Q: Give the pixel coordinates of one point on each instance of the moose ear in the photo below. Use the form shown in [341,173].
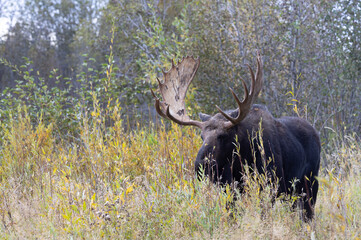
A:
[204,117]
[234,113]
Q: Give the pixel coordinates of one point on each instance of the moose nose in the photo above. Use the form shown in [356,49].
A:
[204,161]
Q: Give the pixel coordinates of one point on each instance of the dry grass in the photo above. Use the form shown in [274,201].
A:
[113,184]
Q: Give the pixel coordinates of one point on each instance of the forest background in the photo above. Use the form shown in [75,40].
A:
[59,50]
[69,68]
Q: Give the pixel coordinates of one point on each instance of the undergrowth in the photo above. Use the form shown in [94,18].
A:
[117,184]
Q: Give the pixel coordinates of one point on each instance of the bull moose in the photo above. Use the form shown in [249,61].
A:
[291,146]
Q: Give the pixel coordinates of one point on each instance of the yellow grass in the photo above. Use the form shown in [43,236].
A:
[118,185]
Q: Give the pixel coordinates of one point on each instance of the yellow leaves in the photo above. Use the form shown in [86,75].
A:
[324,181]
[66,217]
[118,169]
[339,221]
[129,189]
[92,198]
[151,208]
[74,208]
[295,109]
[84,206]
[43,135]
[95,114]
[293,101]
[339,217]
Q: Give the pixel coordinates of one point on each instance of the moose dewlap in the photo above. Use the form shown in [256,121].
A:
[291,143]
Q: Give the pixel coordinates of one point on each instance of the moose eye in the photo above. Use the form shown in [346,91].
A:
[222,137]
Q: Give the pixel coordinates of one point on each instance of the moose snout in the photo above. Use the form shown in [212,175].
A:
[204,161]
[199,164]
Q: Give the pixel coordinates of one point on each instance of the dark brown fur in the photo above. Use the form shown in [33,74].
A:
[291,143]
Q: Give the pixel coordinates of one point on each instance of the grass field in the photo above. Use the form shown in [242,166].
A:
[140,185]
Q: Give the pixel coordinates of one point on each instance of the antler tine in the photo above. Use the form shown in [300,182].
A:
[151,90]
[250,96]
[157,107]
[241,114]
[229,118]
[157,104]
[259,74]
[252,78]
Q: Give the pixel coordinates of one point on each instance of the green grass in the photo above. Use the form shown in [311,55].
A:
[140,185]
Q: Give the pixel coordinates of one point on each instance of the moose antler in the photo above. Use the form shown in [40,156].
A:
[176,83]
[245,105]
[174,89]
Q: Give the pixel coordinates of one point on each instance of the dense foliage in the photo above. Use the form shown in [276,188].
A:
[83,154]
[311,53]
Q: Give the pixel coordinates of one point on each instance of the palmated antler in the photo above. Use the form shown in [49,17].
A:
[174,89]
[250,96]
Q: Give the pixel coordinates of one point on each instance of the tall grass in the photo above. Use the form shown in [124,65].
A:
[114,184]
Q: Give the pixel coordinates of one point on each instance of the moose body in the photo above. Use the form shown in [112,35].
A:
[286,149]
[291,152]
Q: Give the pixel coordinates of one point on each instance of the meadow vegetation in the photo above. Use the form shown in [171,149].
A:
[83,155]
[116,183]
